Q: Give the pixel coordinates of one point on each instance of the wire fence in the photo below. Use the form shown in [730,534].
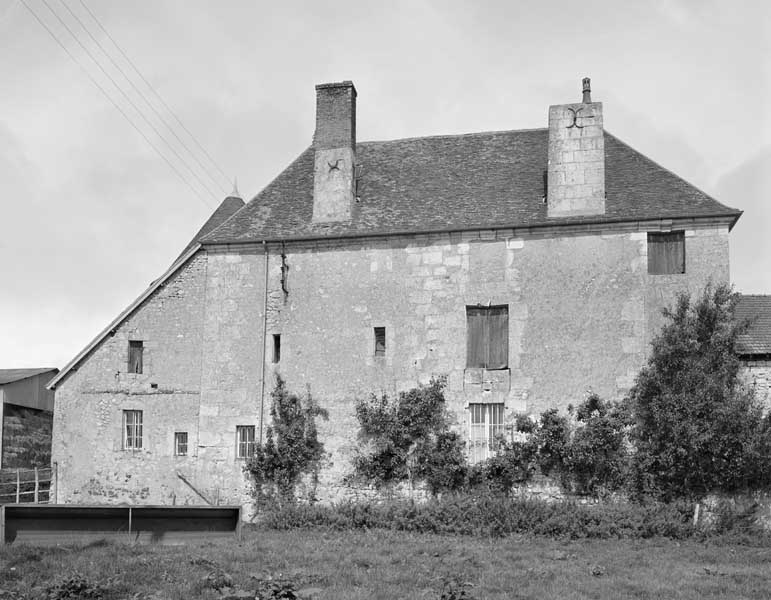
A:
[31,486]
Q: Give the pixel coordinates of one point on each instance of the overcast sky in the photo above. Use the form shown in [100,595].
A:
[91,214]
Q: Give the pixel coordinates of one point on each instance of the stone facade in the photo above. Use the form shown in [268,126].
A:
[582,309]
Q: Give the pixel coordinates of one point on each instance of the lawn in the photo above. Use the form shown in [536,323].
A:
[383,565]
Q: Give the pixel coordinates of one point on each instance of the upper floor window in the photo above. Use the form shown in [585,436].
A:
[666,253]
[136,349]
[132,429]
[487,337]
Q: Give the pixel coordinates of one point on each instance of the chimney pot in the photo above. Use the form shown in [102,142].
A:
[587,90]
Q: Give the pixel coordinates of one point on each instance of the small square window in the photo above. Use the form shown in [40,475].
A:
[136,349]
[180,443]
[666,253]
[244,441]
[380,341]
[276,347]
[132,429]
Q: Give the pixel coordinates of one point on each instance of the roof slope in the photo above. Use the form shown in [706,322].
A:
[229,206]
[757,309]
[11,375]
[473,181]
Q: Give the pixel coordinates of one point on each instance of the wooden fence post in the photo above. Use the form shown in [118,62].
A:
[18,485]
[37,486]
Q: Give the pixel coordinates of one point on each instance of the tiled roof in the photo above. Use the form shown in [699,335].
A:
[756,309]
[11,375]
[225,210]
[474,181]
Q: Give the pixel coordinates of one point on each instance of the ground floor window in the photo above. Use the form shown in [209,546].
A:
[132,429]
[485,427]
[244,441]
[180,443]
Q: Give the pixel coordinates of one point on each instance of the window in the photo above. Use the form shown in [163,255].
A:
[180,443]
[132,429]
[487,342]
[485,426]
[136,348]
[276,347]
[666,253]
[244,441]
[380,341]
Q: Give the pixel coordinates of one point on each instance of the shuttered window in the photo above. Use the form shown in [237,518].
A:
[487,337]
[666,253]
[136,349]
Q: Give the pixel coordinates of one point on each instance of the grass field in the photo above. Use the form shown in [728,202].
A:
[385,565]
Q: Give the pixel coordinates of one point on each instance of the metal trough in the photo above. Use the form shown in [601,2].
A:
[45,524]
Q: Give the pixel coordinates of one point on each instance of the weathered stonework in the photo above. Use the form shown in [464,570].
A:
[582,311]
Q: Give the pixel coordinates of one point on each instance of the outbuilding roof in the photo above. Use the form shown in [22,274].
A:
[11,375]
[757,310]
[461,182]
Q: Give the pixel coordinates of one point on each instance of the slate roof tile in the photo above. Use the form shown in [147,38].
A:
[757,309]
[472,181]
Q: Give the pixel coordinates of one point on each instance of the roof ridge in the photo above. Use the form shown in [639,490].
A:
[453,135]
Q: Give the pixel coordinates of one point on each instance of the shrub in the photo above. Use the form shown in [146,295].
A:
[409,439]
[291,449]
[494,515]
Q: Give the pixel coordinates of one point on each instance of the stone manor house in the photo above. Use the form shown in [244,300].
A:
[527,266]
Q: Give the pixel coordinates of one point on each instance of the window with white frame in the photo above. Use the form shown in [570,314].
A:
[244,441]
[132,429]
[485,428]
[180,443]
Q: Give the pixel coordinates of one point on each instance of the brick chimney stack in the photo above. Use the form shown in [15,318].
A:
[576,174]
[334,143]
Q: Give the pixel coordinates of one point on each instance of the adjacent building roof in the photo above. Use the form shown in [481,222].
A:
[11,375]
[757,310]
[225,210]
[461,182]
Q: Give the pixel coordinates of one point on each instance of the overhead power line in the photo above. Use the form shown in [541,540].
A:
[142,95]
[115,104]
[155,93]
[129,100]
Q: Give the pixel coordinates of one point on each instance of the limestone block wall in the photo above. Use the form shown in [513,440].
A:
[757,375]
[87,444]
[582,310]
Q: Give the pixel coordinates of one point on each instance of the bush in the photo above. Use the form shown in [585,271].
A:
[291,449]
[492,514]
[409,439]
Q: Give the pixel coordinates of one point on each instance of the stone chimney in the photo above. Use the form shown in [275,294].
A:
[576,175]
[335,152]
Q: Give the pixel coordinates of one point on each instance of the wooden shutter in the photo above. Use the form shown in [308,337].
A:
[135,356]
[666,253]
[476,337]
[498,337]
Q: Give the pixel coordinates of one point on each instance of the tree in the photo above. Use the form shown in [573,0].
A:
[697,429]
[291,449]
